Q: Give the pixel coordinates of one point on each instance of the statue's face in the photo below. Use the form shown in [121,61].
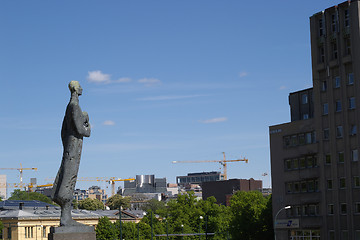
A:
[79,90]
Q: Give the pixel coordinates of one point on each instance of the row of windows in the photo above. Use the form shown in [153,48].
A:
[334,49]
[306,186]
[342,183]
[29,232]
[309,161]
[299,139]
[338,106]
[304,234]
[304,210]
[339,132]
[343,208]
[334,27]
[340,157]
[337,82]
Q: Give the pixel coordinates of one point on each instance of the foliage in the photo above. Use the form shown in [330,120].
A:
[75,204]
[249,211]
[117,201]
[28,196]
[90,204]
[105,229]
[154,206]
[248,217]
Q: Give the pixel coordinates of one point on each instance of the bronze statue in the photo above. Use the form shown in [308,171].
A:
[75,126]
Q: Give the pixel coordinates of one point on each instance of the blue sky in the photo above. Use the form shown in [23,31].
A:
[163,81]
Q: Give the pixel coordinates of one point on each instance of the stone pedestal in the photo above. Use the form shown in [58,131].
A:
[72,233]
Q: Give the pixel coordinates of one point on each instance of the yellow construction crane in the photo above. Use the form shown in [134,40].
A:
[110,180]
[21,169]
[222,162]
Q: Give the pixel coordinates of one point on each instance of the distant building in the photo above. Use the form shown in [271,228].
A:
[33,219]
[93,192]
[199,178]
[3,187]
[223,190]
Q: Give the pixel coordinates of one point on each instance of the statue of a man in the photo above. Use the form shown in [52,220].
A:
[75,126]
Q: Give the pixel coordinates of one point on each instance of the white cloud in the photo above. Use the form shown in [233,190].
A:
[214,120]
[123,80]
[149,81]
[283,88]
[174,97]
[109,123]
[98,77]
[243,74]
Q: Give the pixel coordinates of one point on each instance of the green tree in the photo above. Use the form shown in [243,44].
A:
[90,204]
[105,230]
[153,205]
[117,201]
[248,215]
[28,196]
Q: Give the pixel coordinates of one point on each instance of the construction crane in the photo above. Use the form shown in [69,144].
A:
[110,180]
[222,162]
[21,169]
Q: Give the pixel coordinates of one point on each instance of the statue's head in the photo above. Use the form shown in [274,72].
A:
[74,86]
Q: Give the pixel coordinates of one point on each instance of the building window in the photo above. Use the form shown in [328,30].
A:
[342,183]
[333,23]
[295,163]
[29,231]
[338,106]
[326,134]
[9,233]
[296,187]
[354,155]
[343,208]
[329,184]
[339,131]
[327,159]
[305,116]
[330,209]
[311,161]
[302,162]
[323,86]
[334,50]
[325,109]
[303,187]
[304,98]
[337,82]
[332,235]
[347,42]
[357,207]
[289,187]
[44,232]
[301,139]
[351,103]
[341,158]
[321,27]
[346,18]
[288,164]
[321,54]
[353,130]
[351,78]
[356,181]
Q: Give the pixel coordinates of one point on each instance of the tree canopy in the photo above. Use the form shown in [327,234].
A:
[117,201]
[28,196]
[90,204]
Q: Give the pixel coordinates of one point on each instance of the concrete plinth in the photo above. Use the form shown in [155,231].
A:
[72,233]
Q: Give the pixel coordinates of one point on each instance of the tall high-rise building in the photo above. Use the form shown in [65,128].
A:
[315,157]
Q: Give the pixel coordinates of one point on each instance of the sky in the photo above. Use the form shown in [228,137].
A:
[163,81]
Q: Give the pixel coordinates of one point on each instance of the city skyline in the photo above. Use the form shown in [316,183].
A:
[163,81]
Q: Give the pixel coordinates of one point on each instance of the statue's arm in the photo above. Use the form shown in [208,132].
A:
[81,122]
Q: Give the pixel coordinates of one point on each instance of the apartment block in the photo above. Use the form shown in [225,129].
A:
[314,158]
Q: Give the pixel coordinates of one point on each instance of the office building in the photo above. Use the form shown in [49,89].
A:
[198,178]
[314,158]
[223,190]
